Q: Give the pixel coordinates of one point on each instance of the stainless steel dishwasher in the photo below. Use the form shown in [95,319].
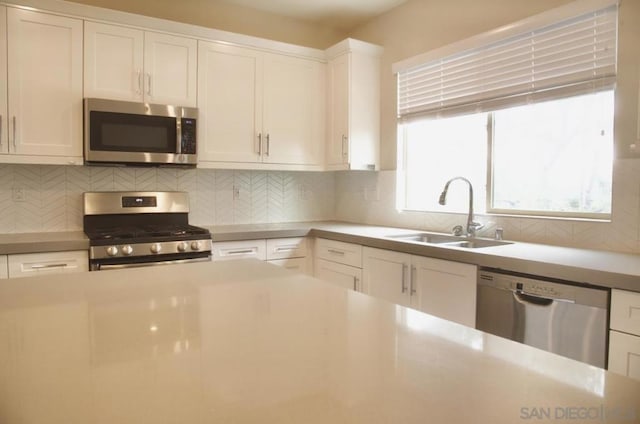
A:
[565,319]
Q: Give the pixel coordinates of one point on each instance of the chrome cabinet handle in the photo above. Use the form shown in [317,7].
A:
[344,143]
[240,252]
[412,278]
[285,248]
[259,144]
[148,84]
[336,252]
[404,275]
[45,266]
[139,89]
[268,145]
[14,133]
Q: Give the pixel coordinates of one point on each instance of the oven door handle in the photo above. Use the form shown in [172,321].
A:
[104,267]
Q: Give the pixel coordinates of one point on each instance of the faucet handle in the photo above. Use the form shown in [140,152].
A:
[499,233]
[473,228]
[457,230]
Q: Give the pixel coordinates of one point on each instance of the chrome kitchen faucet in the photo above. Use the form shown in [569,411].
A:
[472,226]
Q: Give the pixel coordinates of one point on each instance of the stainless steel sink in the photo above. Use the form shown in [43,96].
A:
[449,240]
[428,238]
[477,243]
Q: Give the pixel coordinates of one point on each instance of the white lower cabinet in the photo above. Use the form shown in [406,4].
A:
[31,264]
[442,288]
[288,252]
[624,337]
[339,263]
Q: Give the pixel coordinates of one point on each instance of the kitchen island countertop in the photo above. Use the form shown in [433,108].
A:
[249,342]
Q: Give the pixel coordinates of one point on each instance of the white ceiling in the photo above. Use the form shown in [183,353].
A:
[344,14]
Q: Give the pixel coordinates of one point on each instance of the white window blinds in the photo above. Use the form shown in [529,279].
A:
[568,57]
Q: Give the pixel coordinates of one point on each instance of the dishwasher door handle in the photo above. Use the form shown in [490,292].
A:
[526,298]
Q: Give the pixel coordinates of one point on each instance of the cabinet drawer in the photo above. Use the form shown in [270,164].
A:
[227,250]
[340,252]
[624,354]
[625,311]
[294,264]
[283,248]
[30,264]
[348,277]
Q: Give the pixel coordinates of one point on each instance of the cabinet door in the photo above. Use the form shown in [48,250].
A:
[292,110]
[444,289]
[4,119]
[113,67]
[45,83]
[170,69]
[624,354]
[385,274]
[229,103]
[338,137]
[345,276]
[625,311]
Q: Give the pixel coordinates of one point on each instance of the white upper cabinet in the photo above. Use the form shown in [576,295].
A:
[170,65]
[353,139]
[259,110]
[4,117]
[42,100]
[229,103]
[113,62]
[293,103]
[129,64]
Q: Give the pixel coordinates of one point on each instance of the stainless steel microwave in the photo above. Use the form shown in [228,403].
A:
[131,133]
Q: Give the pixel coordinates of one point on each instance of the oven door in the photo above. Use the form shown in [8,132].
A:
[120,263]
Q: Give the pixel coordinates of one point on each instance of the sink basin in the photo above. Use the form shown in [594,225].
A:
[477,243]
[449,240]
[429,238]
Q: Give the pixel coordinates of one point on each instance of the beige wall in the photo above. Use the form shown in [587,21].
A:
[227,17]
[420,25]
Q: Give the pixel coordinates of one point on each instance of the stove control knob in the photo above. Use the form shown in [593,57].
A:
[196,245]
[112,250]
[127,250]
[156,248]
[182,246]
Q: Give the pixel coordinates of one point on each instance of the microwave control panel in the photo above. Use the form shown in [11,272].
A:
[188,136]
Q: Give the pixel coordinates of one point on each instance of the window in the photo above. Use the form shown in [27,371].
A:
[527,117]
[551,158]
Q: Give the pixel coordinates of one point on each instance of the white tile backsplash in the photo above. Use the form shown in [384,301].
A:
[49,198]
[52,195]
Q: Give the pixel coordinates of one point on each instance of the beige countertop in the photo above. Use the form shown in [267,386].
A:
[42,242]
[248,342]
[584,266]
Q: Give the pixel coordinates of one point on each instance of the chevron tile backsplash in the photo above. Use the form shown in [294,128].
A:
[49,198]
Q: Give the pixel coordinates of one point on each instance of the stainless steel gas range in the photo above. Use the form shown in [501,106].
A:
[133,229]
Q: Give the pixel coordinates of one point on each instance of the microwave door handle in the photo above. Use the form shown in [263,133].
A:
[178,135]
